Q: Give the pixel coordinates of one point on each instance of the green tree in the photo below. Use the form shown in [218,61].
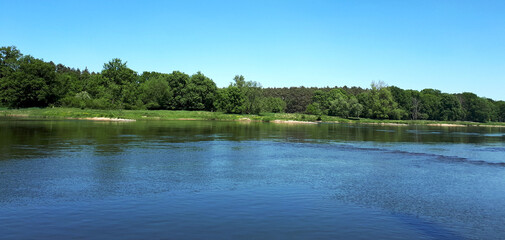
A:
[245,95]
[200,93]
[29,85]
[156,93]
[252,94]
[273,104]
[404,100]
[382,104]
[451,109]
[9,60]
[500,106]
[177,82]
[117,72]
[29,82]
[366,101]
[476,109]
[121,83]
[355,108]
[314,109]
[340,107]
[67,84]
[414,105]
[296,98]
[231,100]
[330,102]
[431,103]
[79,100]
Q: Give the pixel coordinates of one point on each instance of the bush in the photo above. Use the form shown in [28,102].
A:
[80,100]
[314,109]
[273,105]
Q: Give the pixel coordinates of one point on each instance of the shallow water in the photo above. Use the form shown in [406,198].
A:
[228,180]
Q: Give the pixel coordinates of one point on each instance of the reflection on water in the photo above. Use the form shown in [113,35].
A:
[209,179]
[34,138]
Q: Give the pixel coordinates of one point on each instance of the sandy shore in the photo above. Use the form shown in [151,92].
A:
[461,125]
[17,115]
[292,122]
[447,125]
[106,119]
[186,119]
[387,124]
[246,119]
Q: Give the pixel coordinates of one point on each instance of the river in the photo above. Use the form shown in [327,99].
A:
[74,179]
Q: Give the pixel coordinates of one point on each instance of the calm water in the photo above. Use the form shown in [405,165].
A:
[229,180]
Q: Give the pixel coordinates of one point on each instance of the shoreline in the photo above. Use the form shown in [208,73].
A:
[104,119]
[292,122]
[179,115]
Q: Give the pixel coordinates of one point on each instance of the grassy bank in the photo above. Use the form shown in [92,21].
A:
[75,113]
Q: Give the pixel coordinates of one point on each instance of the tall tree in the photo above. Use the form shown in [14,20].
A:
[9,60]
[122,83]
[252,93]
[476,109]
[381,102]
[231,100]
[355,108]
[29,85]
[156,93]
[177,82]
[451,109]
[200,93]
[500,106]
[273,104]
[431,103]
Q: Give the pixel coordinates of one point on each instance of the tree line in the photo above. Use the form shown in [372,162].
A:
[26,81]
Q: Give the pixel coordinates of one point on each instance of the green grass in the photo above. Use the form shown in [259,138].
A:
[58,113]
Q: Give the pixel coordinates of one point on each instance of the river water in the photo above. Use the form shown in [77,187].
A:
[71,179]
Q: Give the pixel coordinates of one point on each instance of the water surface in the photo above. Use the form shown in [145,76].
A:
[228,180]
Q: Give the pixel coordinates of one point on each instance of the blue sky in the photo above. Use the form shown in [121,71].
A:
[454,46]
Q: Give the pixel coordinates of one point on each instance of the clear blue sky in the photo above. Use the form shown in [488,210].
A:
[454,46]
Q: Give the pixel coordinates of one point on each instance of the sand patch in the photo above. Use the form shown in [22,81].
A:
[446,125]
[292,122]
[105,119]
[388,124]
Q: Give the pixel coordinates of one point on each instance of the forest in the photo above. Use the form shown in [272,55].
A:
[26,82]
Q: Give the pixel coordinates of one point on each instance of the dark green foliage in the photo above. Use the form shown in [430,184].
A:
[273,104]
[335,102]
[404,99]
[296,98]
[355,108]
[122,84]
[450,108]
[155,93]
[431,106]
[9,60]
[252,93]
[231,100]
[413,107]
[380,103]
[324,98]
[200,93]
[314,109]
[177,82]
[118,73]
[80,100]
[339,107]
[500,111]
[29,82]
[241,97]
[476,109]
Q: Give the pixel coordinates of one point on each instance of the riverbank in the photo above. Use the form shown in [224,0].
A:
[280,118]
